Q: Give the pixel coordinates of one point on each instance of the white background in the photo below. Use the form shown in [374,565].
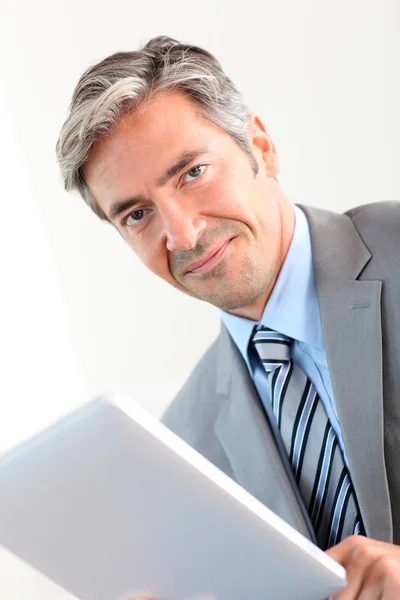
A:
[79,315]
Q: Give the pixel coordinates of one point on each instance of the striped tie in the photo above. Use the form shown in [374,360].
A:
[310,441]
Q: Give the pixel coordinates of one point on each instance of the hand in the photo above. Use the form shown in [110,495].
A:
[373,569]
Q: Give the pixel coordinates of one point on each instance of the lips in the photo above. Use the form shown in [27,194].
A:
[209,260]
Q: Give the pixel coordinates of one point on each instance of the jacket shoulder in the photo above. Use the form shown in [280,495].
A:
[378,223]
[192,408]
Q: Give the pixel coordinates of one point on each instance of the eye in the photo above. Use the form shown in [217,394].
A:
[134,217]
[194,173]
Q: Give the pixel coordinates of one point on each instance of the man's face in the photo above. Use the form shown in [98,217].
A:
[185,197]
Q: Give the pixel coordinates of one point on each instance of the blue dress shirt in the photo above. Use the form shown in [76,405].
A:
[292,309]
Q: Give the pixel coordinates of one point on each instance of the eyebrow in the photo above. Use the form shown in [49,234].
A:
[120,206]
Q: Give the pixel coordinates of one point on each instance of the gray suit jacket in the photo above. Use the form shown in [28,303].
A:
[357,267]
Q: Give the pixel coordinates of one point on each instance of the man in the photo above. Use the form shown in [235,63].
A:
[298,399]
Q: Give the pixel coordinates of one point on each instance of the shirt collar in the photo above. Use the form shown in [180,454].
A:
[292,308]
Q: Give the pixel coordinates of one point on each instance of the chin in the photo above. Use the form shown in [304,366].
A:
[234,301]
[232,291]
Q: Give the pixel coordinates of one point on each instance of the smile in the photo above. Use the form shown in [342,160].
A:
[209,261]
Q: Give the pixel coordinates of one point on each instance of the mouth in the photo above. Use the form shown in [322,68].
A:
[209,260]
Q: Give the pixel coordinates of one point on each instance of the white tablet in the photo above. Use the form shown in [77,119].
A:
[109,504]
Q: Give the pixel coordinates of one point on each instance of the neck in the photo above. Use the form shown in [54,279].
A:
[254,311]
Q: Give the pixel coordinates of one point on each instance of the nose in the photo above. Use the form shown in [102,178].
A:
[181,228]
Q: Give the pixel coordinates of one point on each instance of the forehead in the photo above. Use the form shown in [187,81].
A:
[147,141]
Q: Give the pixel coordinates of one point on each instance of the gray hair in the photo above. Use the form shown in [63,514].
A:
[120,83]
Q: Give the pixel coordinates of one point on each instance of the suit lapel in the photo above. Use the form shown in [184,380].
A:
[351,325]
[248,442]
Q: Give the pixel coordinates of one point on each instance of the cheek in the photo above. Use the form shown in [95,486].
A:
[153,254]
[225,201]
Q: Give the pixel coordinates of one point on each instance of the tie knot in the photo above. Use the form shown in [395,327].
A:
[272,347]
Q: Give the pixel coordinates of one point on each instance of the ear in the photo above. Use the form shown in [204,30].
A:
[262,145]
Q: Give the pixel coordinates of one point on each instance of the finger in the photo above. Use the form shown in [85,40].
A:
[354,545]
[360,565]
[382,582]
